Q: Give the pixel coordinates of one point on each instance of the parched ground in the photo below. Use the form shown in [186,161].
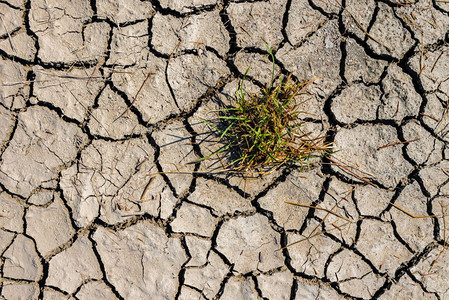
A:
[100,112]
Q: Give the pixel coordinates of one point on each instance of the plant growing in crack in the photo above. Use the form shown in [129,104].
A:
[263,131]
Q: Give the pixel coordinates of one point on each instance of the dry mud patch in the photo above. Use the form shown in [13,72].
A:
[101,193]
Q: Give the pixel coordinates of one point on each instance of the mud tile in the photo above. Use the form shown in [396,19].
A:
[42,198]
[406,288]
[95,290]
[107,119]
[20,45]
[240,288]
[379,245]
[357,102]
[51,15]
[435,115]
[124,11]
[189,293]
[275,286]
[6,125]
[49,226]
[443,6]
[152,96]
[73,91]
[359,66]
[400,98]
[328,6]
[16,3]
[21,260]
[59,26]
[6,238]
[428,23]
[207,278]
[300,187]
[186,6]
[387,34]
[176,155]
[54,295]
[303,21]
[166,33]
[432,68]
[191,75]
[11,19]
[359,147]
[353,275]
[252,183]
[250,243]
[371,201]
[220,198]
[171,34]
[95,41]
[42,143]
[440,207]
[307,290]
[149,259]
[318,56]
[436,278]
[257,22]
[260,66]
[129,45]
[362,11]
[109,180]
[435,180]
[14,85]
[341,224]
[194,219]
[13,291]
[80,196]
[68,269]
[310,256]
[11,212]
[427,150]
[391,35]
[157,199]
[198,249]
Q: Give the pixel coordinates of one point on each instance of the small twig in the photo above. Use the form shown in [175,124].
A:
[398,143]
[135,97]
[321,208]
[429,116]
[421,60]
[444,237]
[350,171]
[445,172]
[146,189]
[9,36]
[443,118]
[312,236]
[435,63]
[397,109]
[70,76]
[410,214]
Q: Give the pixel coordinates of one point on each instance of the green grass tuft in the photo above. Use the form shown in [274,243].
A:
[264,130]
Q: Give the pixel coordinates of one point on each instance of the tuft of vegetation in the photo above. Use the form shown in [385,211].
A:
[264,130]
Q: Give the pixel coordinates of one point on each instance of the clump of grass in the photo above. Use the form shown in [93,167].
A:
[264,130]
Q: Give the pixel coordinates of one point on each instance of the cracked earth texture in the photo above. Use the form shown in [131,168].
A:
[81,217]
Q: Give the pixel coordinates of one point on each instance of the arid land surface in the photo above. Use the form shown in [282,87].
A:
[102,195]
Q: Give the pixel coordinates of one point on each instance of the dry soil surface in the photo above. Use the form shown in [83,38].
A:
[98,201]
